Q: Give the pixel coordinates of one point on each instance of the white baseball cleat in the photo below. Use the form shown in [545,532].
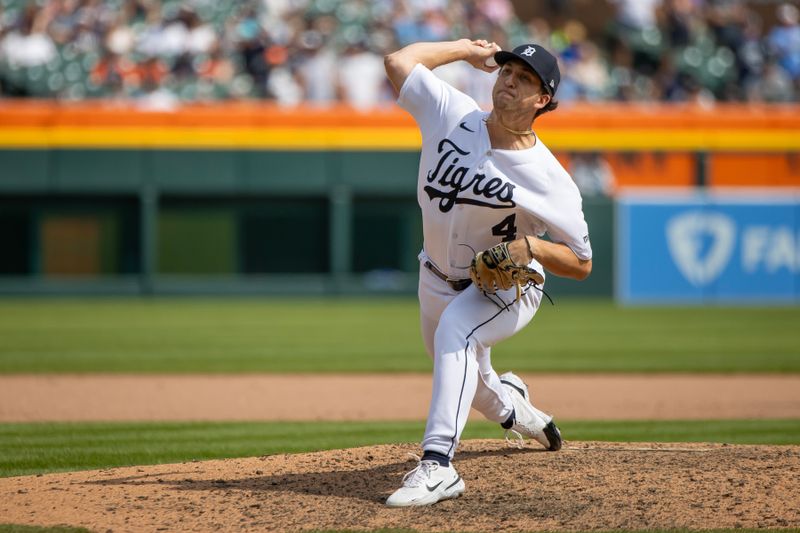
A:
[427,484]
[528,420]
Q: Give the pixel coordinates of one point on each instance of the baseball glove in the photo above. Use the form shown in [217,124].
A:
[493,270]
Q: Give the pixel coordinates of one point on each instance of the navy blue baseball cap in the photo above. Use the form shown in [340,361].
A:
[542,62]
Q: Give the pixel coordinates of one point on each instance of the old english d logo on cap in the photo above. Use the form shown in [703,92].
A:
[542,62]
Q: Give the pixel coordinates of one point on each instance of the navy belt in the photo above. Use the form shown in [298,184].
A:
[455,284]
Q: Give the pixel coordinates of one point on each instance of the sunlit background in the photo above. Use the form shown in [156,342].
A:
[208,249]
[173,147]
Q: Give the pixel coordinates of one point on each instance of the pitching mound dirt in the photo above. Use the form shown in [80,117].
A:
[585,486]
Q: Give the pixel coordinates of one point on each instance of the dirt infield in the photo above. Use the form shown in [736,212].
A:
[33,398]
[585,486]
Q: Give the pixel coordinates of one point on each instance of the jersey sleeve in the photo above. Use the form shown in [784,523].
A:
[576,237]
[569,227]
[434,104]
[552,200]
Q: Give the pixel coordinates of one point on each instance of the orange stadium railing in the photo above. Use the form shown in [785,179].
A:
[645,144]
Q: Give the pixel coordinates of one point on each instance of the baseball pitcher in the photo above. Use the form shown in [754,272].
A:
[488,189]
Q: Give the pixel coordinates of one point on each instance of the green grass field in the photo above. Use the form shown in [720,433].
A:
[191,335]
[379,335]
[41,448]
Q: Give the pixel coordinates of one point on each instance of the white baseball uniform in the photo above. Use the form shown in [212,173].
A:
[473,197]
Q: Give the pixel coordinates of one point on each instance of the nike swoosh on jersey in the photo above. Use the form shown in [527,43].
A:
[464,126]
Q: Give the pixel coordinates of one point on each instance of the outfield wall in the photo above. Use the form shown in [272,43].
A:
[710,247]
[213,199]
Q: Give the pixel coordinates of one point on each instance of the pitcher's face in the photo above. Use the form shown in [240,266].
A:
[518,88]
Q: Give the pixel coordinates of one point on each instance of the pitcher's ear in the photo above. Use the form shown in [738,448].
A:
[543,100]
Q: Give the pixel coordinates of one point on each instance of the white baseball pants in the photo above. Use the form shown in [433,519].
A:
[459,329]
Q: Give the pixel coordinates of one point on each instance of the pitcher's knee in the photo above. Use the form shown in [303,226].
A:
[451,338]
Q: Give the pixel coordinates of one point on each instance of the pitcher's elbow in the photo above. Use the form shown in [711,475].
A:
[584,270]
[390,61]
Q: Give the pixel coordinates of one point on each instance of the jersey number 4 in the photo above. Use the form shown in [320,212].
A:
[506,228]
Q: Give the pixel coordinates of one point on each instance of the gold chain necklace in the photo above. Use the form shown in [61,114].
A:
[515,132]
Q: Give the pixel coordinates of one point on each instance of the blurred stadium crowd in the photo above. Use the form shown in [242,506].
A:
[321,52]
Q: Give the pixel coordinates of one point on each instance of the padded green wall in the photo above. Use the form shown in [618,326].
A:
[225,212]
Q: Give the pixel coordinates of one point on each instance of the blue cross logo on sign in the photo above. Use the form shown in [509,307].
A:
[529,51]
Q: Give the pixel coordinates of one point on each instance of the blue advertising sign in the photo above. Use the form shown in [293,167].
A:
[708,248]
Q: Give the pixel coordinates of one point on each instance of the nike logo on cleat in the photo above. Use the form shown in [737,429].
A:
[463,125]
[431,489]
[453,484]
[521,391]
